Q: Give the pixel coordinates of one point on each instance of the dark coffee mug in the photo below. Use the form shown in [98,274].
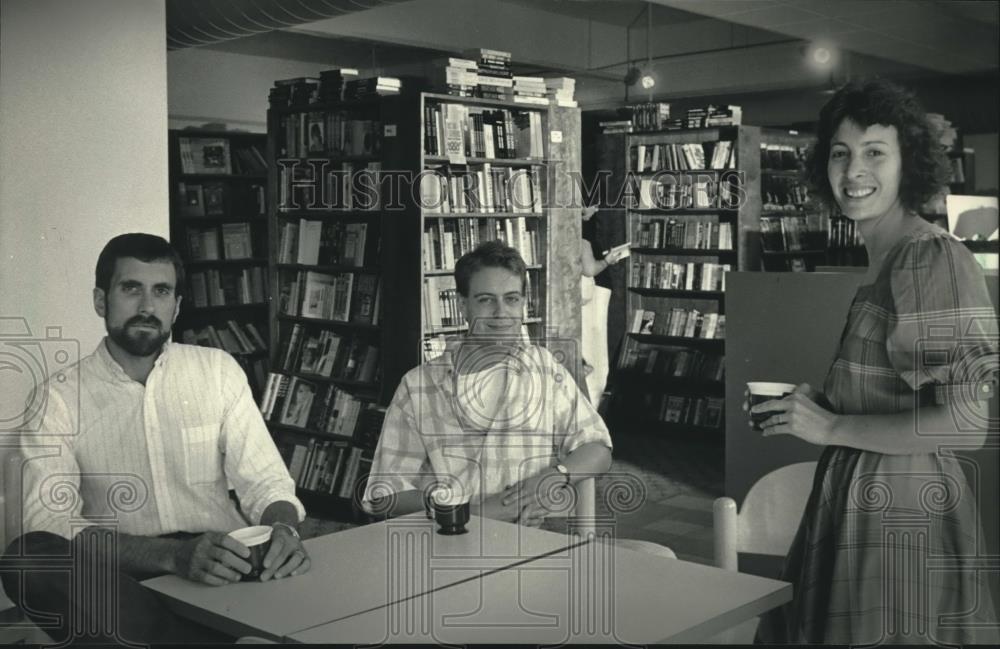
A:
[258,541]
[451,519]
[761,391]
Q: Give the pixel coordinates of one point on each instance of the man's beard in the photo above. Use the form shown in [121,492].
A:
[139,342]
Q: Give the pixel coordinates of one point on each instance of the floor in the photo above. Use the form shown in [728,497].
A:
[667,484]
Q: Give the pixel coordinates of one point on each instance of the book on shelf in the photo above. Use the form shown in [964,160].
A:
[236,243]
[191,200]
[689,276]
[203,244]
[204,155]
[689,156]
[215,199]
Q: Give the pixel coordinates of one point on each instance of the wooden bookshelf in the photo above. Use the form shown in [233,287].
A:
[428,236]
[326,264]
[667,380]
[218,206]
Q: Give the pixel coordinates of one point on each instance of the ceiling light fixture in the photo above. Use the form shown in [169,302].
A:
[644,75]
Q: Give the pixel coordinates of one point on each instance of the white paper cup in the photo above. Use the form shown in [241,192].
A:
[258,539]
[761,391]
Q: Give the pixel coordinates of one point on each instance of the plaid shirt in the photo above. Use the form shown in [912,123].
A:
[151,459]
[503,415]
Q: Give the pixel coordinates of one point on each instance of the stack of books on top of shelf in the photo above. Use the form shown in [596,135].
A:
[710,115]
[530,90]
[297,91]
[616,126]
[560,91]
[357,89]
[457,76]
[496,81]
[331,84]
[650,116]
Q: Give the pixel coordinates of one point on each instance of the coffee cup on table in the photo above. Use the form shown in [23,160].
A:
[761,391]
[258,540]
[451,515]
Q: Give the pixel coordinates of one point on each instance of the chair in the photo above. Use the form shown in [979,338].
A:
[766,525]
[586,510]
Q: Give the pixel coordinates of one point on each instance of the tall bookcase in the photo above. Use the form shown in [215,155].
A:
[326,225]
[692,215]
[218,202]
[483,169]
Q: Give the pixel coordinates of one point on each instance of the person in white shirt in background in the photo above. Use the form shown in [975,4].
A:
[143,440]
[594,302]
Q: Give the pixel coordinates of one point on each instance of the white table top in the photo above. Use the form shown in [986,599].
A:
[593,593]
[358,570]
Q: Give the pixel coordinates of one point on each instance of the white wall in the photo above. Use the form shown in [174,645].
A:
[83,157]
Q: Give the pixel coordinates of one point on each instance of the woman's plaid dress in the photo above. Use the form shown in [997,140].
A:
[889,545]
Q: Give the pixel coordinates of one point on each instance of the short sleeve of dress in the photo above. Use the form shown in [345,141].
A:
[943,328]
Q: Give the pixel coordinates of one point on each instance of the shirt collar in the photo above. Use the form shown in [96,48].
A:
[115,369]
[442,368]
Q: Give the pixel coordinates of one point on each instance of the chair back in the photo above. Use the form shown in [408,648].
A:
[769,518]
[12,460]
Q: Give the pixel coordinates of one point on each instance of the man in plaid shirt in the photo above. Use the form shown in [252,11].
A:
[494,420]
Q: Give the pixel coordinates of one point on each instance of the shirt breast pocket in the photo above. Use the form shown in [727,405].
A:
[202,456]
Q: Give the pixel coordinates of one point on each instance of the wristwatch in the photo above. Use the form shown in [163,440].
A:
[563,471]
[288,527]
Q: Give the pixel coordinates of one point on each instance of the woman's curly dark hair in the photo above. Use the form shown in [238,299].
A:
[877,101]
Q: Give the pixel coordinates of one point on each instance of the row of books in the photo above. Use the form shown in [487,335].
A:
[708,412]
[650,116]
[328,133]
[711,115]
[456,131]
[683,323]
[234,337]
[690,276]
[296,401]
[212,155]
[781,193]
[782,156]
[723,193]
[329,87]
[326,353]
[203,243]
[340,297]
[324,243]
[221,199]
[446,240]
[676,362]
[684,157]
[481,188]
[327,466]
[791,233]
[691,234]
[228,286]
[843,233]
[320,184]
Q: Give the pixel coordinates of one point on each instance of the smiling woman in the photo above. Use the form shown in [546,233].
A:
[909,382]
